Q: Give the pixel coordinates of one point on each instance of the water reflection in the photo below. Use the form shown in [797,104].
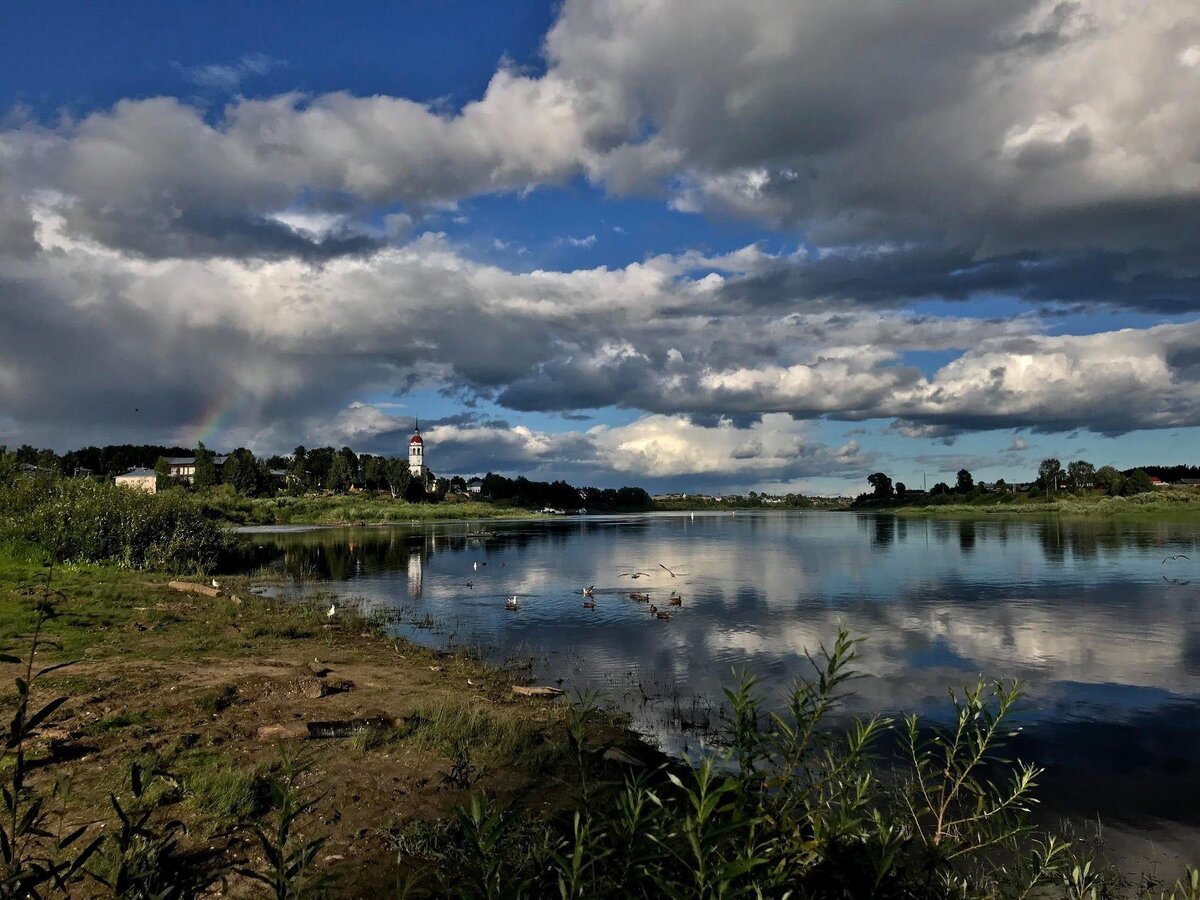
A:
[1105,633]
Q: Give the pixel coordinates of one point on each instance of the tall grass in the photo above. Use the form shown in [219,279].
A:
[788,806]
[84,521]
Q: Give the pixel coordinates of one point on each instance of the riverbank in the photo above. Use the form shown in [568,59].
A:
[200,688]
[1165,503]
[346,509]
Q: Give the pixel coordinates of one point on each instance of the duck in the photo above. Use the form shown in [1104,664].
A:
[589,604]
[653,609]
[663,615]
[511,602]
[641,598]
[675,600]
[587,591]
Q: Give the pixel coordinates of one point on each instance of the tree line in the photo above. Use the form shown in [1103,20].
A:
[1077,476]
[320,469]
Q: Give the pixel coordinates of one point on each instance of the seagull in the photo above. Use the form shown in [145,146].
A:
[1164,562]
[511,602]
[635,574]
[476,566]
[669,572]
[332,611]
[587,591]
[215,583]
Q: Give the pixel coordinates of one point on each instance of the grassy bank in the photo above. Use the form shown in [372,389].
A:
[179,684]
[1164,503]
[226,505]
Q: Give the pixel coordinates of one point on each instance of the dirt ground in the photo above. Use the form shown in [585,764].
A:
[214,689]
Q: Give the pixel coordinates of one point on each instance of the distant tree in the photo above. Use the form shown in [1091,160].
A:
[1138,482]
[458,483]
[163,473]
[351,463]
[298,475]
[881,484]
[441,486]
[965,483]
[901,489]
[320,459]
[396,475]
[372,471]
[1081,474]
[244,473]
[206,474]
[1111,480]
[1000,486]
[938,489]
[1050,473]
[341,475]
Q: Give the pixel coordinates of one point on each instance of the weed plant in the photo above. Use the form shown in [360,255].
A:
[791,807]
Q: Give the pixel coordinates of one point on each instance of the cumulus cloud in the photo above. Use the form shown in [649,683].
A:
[269,259]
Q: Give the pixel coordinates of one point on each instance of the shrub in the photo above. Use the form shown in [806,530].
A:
[84,521]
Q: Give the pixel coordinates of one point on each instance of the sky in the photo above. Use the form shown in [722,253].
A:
[774,245]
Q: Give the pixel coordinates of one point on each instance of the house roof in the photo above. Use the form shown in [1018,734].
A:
[138,473]
[191,460]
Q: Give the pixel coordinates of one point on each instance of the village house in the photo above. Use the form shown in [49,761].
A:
[139,480]
[184,467]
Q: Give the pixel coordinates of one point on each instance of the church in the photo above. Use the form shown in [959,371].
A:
[416,454]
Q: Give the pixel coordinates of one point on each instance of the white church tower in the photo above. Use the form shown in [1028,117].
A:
[416,453]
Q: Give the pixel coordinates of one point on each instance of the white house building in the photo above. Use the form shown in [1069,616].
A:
[139,480]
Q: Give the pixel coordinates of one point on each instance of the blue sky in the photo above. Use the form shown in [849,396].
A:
[771,247]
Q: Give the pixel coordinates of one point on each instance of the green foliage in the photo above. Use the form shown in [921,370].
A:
[792,807]
[143,858]
[83,521]
[289,870]
[225,792]
[1138,482]
[33,858]
[207,474]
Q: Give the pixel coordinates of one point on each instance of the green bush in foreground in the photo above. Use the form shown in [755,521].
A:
[791,808]
[82,521]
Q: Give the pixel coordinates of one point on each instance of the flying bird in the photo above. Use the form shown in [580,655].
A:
[1164,562]
[635,574]
[476,566]
[669,572]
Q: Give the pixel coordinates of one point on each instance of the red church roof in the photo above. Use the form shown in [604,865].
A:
[416,439]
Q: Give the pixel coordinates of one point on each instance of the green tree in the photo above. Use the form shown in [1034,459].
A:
[1109,478]
[1081,474]
[1050,473]
[373,471]
[881,484]
[243,472]
[1138,482]
[397,476]
[341,476]
[351,459]
[163,471]
[206,475]
[901,490]
[965,482]
[298,477]
[320,460]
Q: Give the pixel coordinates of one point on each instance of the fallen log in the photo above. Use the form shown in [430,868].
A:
[334,728]
[536,691]
[190,588]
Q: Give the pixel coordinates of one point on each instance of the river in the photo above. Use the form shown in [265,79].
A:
[1092,616]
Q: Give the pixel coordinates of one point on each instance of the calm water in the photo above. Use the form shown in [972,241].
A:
[1104,633]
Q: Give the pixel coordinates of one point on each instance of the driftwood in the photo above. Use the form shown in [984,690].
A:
[614,754]
[190,588]
[536,691]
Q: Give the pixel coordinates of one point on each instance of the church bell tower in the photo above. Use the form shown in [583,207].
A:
[416,453]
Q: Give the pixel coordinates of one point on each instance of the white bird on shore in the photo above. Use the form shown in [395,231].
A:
[215,583]
[332,611]
[511,602]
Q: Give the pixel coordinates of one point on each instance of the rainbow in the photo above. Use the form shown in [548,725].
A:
[213,421]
